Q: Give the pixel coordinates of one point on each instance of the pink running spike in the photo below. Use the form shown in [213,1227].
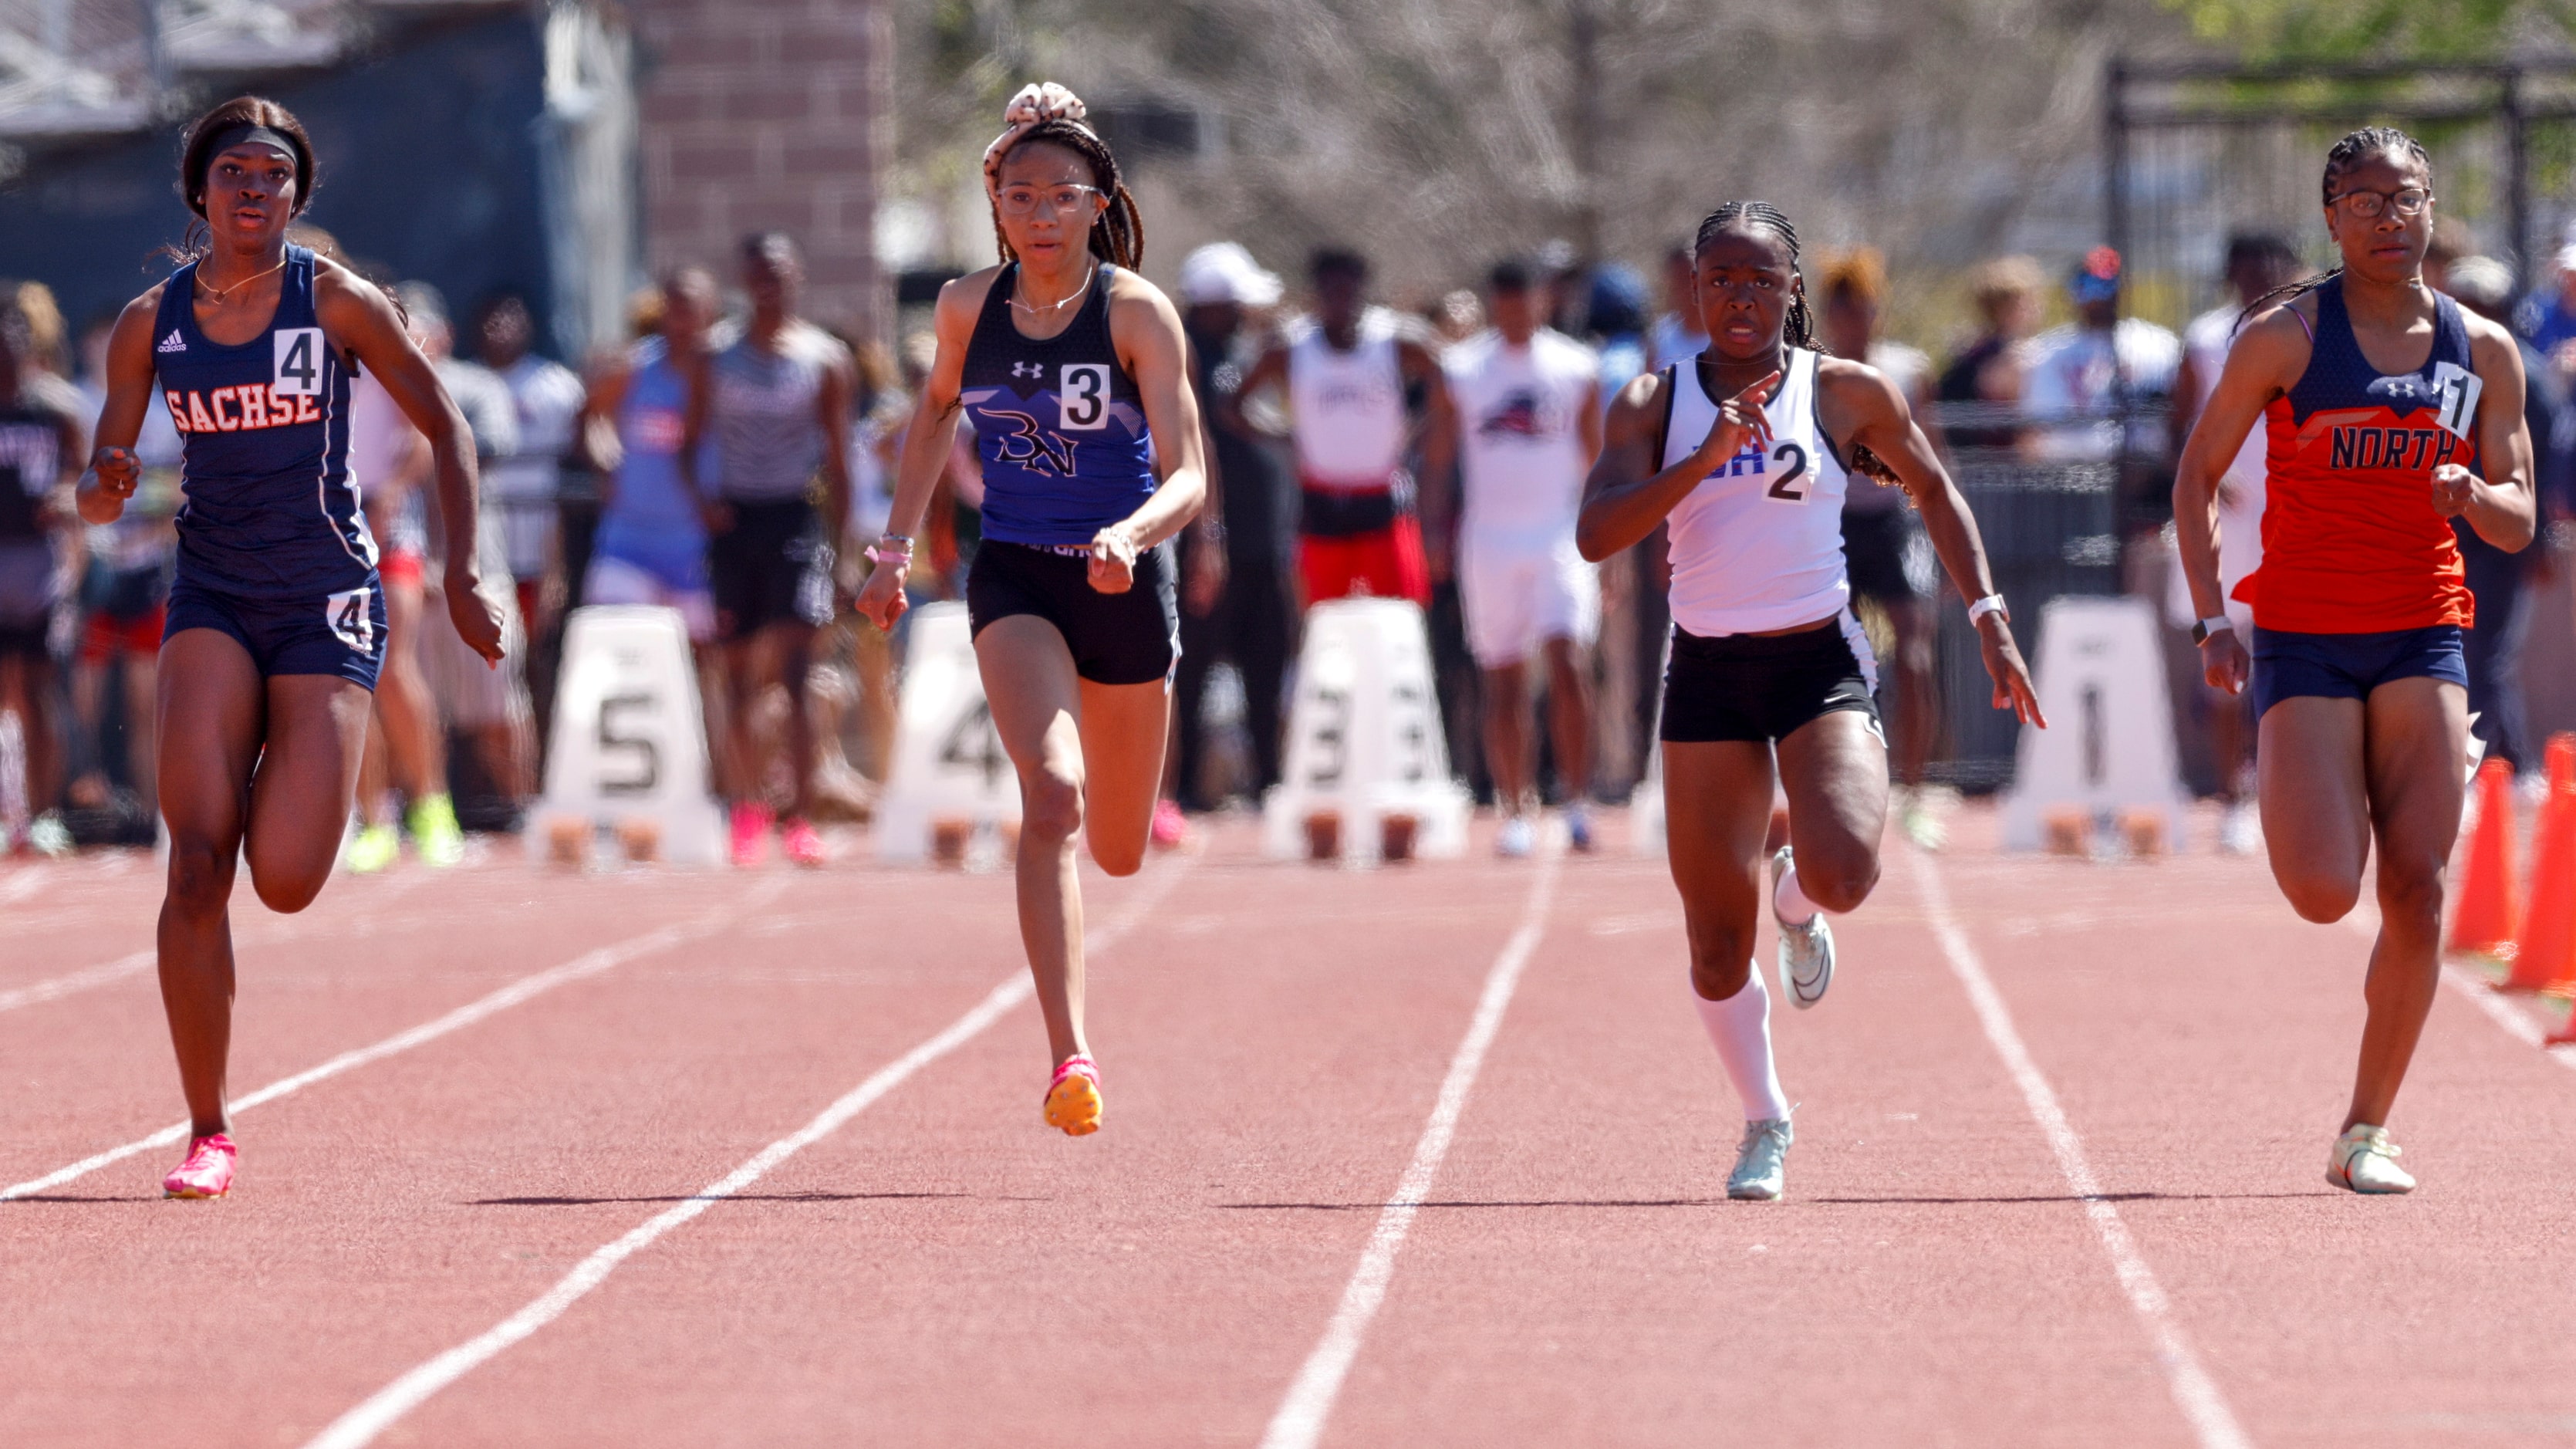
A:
[805,844]
[208,1172]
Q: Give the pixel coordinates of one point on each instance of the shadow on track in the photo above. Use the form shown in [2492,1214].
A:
[1686,1202]
[734,1197]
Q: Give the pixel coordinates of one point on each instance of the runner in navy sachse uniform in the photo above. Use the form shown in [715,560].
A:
[276,622]
[1075,375]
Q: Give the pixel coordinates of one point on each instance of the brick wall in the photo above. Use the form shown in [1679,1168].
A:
[763,114]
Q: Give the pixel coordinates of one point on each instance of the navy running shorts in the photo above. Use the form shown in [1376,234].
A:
[1760,688]
[774,566]
[1129,638]
[343,634]
[2350,666]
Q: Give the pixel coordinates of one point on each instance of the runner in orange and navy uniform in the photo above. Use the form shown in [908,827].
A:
[2389,412]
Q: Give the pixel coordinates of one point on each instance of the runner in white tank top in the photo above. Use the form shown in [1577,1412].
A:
[1528,402]
[1747,449]
[1345,375]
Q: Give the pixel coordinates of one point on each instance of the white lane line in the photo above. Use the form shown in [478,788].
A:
[389,1404]
[2474,989]
[589,963]
[1299,1421]
[2194,1391]
[134,963]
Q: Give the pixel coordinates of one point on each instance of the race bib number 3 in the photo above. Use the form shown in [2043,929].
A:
[299,361]
[351,620]
[1083,404]
[2458,389]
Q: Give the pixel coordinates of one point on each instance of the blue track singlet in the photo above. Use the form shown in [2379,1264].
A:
[651,520]
[1059,423]
[271,511]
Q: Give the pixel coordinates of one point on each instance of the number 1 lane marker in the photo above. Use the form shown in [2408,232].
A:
[588,964]
[1299,1421]
[2194,1391]
[361,1425]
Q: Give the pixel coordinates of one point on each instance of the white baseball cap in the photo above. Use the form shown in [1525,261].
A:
[1225,272]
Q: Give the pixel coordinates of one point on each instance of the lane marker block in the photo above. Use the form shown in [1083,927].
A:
[2101,677]
[949,779]
[1364,742]
[629,742]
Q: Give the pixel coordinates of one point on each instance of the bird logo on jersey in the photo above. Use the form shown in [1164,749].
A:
[1521,415]
[1037,449]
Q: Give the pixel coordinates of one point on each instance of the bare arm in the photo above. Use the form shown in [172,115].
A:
[2501,506]
[2265,361]
[1626,497]
[1437,496]
[1874,416]
[1146,331]
[359,318]
[840,381]
[114,470]
[928,439]
[1270,371]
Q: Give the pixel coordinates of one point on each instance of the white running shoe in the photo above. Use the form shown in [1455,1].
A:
[2364,1160]
[2240,830]
[1761,1163]
[1516,839]
[1806,952]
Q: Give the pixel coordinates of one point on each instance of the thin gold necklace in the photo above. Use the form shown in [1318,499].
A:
[1076,295]
[218,294]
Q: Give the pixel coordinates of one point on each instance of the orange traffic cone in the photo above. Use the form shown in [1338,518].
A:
[2562,759]
[2490,888]
[2544,957]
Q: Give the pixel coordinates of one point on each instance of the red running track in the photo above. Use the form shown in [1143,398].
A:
[936,1267]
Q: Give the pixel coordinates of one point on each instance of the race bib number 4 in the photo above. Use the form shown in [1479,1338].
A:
[1083,404]
[2458,389]
[299,362]
[351,620]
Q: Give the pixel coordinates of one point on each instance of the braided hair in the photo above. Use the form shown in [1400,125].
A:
[2347,154]
[1800,328]
[1118,235]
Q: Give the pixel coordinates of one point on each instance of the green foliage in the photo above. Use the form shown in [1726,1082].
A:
[2358,30]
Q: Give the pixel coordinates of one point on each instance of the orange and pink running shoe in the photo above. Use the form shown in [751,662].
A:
[750,834]
[208,1172]
[1073,1098]
[1171,827]
[804,843]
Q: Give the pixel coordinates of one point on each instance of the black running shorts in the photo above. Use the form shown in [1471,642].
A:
[1129,638]
[772,566]
[1760,689]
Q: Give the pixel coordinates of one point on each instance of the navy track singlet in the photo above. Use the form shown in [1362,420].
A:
[271,510]
[1059,423]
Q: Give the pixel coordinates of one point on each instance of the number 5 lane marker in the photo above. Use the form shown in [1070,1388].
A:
[588,964]
[1309,1402]
[2194,1391]
[389,1404]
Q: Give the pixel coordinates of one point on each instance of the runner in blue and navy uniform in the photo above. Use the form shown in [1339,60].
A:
[1075,374]
[276,620]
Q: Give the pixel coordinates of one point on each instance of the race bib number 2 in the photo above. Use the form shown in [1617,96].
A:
[299,362]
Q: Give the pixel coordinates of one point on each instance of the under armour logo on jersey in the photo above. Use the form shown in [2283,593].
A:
[172,343]
[1027,369]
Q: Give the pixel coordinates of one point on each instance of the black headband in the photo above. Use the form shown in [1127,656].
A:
[250,133]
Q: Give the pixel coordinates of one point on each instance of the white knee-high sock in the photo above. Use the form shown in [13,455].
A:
[1741,1027]
[1790,902]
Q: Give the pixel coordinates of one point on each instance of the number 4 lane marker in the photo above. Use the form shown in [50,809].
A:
[2194,1391]
[1309,1402]
[361,1425]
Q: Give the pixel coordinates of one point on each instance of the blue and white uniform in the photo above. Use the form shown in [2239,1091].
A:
[651,547]
[273,549]
[1061,430]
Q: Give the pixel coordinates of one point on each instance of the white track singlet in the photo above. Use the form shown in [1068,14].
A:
[1520,420]
[1347,408]
[1758,545]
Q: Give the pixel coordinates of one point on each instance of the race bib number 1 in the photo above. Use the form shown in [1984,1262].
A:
[2458,389]
[299,362]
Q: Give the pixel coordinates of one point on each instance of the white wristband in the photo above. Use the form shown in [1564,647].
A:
[1990,604]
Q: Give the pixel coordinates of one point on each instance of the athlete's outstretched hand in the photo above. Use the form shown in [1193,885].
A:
[1113,559]
[2224,662]
[2013,689]
[116,471]
[1740,420]
[2453,487]
[881,598]
[477,622]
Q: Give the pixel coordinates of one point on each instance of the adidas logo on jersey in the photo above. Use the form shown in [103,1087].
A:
[1027,369]
[172,343]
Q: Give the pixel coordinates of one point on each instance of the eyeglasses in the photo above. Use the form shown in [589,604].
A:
[1030,200]
[2407,201]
